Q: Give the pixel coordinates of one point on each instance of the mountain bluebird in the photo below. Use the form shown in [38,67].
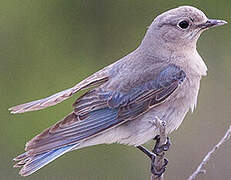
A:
[160,78]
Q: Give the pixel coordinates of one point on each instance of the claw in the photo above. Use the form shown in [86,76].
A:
[158,149]
[165,162]
[156,172]
[159,172]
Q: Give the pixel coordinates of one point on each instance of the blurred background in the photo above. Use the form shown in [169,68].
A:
[48,46]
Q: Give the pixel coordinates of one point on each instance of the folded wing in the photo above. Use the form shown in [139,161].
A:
[99,110]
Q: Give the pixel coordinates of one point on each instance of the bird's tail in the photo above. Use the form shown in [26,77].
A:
[32,163]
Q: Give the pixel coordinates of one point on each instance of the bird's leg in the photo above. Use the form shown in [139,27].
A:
[157,151]
[157,155]
[150,154]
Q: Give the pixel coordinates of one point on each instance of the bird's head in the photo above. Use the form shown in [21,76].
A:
[180,27]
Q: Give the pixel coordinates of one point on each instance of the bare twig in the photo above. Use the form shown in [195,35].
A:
[159,160]
[200,169]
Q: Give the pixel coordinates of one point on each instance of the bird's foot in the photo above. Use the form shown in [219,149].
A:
[156,155]
[158,171]
[159,149]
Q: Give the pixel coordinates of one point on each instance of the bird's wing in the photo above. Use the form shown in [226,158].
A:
[96,79]
[99,110]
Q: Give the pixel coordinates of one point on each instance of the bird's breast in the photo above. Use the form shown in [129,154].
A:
[184,99]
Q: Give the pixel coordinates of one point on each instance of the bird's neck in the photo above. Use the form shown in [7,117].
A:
[184,56]
[155,48]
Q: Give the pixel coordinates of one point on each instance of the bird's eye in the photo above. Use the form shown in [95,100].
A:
[183,24]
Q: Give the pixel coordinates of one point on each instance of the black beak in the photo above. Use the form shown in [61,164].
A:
[212,23]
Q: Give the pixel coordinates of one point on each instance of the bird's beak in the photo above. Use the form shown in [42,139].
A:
[212,23]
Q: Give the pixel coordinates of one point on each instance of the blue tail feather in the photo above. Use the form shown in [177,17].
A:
[35,162]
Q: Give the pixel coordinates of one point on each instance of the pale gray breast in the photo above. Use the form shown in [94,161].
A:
[184,99]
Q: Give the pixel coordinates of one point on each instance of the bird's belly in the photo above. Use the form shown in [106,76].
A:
[143,129]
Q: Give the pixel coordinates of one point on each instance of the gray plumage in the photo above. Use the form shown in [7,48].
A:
[160,78]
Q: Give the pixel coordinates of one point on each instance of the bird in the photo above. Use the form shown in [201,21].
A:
[160,78]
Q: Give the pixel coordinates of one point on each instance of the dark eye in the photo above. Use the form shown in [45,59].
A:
[184,24]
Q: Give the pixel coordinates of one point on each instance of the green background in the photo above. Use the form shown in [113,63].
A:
[47,46]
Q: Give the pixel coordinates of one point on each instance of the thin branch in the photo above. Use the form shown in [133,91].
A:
[200,169]
[159,160]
